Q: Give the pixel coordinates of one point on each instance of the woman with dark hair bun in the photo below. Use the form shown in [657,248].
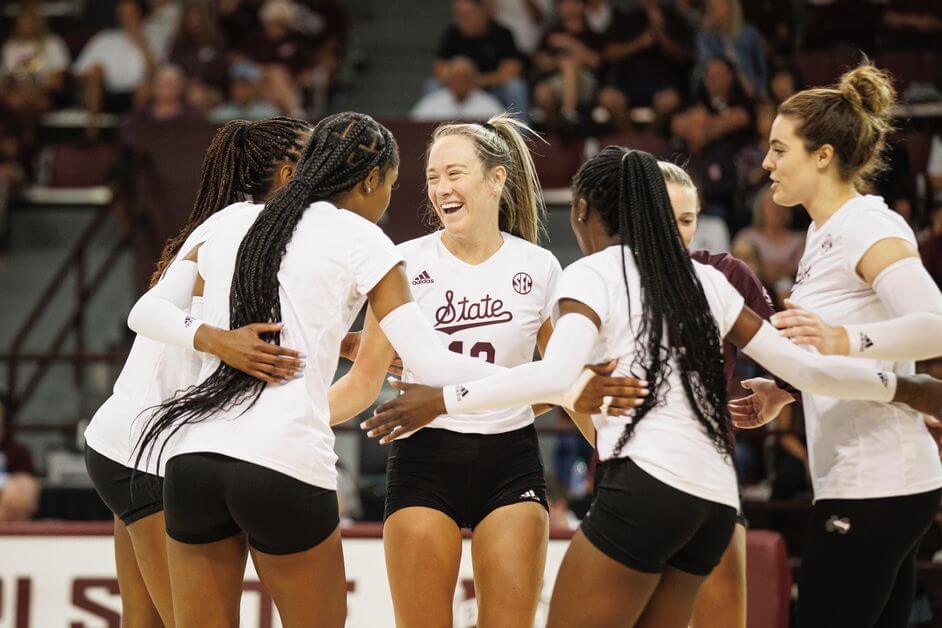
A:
[245,161]
[666,504]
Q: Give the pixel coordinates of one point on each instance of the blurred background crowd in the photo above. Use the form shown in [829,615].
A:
[88,89]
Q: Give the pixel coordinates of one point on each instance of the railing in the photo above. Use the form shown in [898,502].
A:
[86,283]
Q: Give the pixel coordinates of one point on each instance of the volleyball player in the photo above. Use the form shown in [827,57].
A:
[487,288]
[721,601]
[244,159]
[253,465]
[875,469]
[667,500]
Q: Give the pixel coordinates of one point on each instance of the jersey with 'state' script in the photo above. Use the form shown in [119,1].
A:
[491,311]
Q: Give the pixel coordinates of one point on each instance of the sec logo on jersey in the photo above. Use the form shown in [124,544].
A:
[523,283]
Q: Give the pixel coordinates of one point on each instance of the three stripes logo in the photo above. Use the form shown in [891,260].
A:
[462,392]
[531,494]
[422,277]
[188,321]
[865,342]
[883,378]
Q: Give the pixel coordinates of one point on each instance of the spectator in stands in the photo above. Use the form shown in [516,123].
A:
[161,26]
[491,47]
[526,19]
[934,167]
[246,101]
[931,248]
[784,84]
[912,25]
[722,104]
[238,21]
[650,51]
[199,51]
[286,58]
[115,63]
[167,96]
[459,99]
[566,65]
[750,174]
[602,16]
[35,61]
[778,247]
[19,488]
[327,23]
[775,21]
[725,34]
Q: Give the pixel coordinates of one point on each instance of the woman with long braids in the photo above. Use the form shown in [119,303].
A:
[487,288]
[252,465]
[875,470]
[244,160]
[667,499]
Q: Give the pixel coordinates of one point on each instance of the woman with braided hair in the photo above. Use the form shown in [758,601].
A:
[244,160]
[252,465]
[487,287]
[667,499]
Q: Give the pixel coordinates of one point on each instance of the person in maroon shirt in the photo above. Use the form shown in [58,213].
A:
[19,489]
[722,598]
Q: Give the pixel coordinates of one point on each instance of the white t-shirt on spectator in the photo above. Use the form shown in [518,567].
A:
[515,16]
[124,63]
[859,449]
[332,261]
[669,443]
[26,57]
[443,105]
[160,28]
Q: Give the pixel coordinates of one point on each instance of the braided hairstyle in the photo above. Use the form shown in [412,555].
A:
[239,163]
[342,151]
[627,189]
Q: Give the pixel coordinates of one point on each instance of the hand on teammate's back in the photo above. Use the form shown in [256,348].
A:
[623,393]
[920,392]
[245,350]
[416,407]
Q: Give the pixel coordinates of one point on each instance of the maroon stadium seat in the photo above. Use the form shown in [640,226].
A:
[769,579]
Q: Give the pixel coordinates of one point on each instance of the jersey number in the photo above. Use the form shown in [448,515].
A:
[477,349]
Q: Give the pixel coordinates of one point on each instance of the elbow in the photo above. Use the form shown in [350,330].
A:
[134,317]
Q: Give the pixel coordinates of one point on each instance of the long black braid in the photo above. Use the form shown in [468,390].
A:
[342,151]
[240,162]
[627,190]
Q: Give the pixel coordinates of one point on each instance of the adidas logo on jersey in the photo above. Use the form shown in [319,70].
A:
[461,392]
[531,494]
[422,277]
[865,342]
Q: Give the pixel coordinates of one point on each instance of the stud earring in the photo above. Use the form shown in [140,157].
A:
[369,190]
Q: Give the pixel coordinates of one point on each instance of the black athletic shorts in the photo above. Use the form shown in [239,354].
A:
[465,476]
[646,524]
[210,497]
[112,480]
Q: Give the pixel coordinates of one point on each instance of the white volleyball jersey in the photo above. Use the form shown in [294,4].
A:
[332,261]
[492,311]
[152,373]
[669,443]
[859,449]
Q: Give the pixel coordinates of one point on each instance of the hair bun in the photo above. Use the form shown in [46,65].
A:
[870,87]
